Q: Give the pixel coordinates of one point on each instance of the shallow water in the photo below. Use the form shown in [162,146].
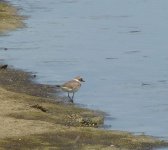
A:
[119,47]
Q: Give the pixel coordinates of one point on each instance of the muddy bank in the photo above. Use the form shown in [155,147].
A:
[33,116]
[22,82]
[9,18]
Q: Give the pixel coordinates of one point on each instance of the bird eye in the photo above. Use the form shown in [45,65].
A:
[81,79]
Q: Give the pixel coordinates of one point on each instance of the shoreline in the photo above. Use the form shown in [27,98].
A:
[31,116]
[10,19]
[35,116]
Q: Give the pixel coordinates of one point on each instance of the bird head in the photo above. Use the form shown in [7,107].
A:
[79,79]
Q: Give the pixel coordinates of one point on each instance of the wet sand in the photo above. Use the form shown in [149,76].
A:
[34,116]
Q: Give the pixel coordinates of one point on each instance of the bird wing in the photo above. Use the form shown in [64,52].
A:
[71,85]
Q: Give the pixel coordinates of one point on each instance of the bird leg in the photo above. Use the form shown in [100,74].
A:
[68,95]
[73,96]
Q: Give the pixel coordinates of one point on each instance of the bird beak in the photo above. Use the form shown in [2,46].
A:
[82,80]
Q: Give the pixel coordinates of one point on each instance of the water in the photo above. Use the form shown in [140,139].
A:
[119,48]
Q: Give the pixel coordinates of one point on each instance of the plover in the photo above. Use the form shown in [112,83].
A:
[72,86]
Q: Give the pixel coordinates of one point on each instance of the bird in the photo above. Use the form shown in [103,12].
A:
[72,86]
